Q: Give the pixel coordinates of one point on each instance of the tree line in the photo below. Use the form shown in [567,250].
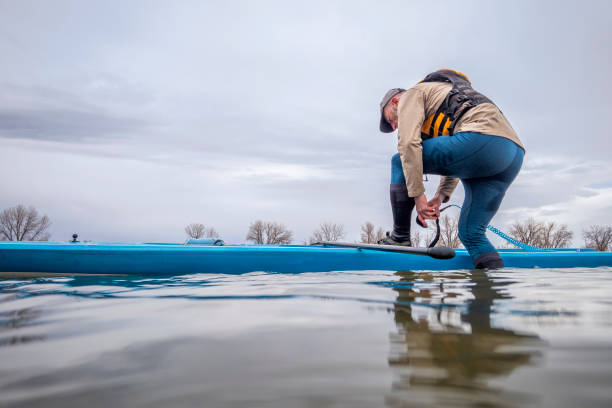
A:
[21,223]
[539,234]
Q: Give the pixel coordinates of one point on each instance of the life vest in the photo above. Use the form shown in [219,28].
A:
[459,100]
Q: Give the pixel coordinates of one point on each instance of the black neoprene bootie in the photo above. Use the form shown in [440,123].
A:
[490,260]
[401,207]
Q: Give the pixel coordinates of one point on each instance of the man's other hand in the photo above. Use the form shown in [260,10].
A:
[426,211]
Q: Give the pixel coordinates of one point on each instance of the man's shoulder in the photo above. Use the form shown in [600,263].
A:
[432,86]
[432,94]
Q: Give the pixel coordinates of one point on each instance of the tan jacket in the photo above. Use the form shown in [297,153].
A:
[420,102]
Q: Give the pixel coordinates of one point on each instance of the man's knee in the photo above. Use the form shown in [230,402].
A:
[396,161]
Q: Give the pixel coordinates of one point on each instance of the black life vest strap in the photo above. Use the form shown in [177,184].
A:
[433,123]
[451,129]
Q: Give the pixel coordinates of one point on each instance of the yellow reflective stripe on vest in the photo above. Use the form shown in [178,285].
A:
[427,125]
[440,126]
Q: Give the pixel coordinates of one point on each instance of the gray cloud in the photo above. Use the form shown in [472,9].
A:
[64,125]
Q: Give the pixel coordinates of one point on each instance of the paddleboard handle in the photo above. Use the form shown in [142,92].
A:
[441,252]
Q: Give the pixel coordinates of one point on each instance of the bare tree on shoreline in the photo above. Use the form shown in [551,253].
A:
[197,230]
[328,231]
[370,234]
[415,238]
[598,237]
[269,233]
[23,224]
[527,231]
[449,231]
[542,234]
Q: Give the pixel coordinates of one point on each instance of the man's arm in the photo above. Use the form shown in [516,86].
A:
[446,187]
[411,114]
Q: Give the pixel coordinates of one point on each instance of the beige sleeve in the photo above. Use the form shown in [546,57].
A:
[447,186]
[411,115]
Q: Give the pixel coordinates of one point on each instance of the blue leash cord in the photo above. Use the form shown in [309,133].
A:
[500,233]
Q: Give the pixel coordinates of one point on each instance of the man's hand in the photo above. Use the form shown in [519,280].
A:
[426,211]
[436,202]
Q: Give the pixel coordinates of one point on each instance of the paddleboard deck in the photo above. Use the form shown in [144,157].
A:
[175,259]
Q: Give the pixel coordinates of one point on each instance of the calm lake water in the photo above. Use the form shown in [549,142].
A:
[507,338]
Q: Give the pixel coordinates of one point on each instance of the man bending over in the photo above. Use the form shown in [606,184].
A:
[445,127]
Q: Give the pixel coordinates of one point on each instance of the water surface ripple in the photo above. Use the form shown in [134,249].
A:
[514,337]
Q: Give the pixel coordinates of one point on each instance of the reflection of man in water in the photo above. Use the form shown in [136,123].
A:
[445,355]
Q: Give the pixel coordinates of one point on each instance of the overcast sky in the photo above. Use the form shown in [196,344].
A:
[127,120]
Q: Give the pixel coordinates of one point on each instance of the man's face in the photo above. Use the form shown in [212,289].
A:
[390,112]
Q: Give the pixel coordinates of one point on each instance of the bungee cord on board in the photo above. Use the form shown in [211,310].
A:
[491,228]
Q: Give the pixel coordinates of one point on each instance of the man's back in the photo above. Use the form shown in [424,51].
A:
[484,118]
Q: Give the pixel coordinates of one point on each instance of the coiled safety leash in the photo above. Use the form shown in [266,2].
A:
[491,228]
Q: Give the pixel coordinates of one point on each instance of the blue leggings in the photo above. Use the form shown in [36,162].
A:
[486,165]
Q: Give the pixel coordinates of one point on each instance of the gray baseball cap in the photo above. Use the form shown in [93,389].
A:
[385,127]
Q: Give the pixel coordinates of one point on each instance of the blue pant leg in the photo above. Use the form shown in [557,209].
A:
[482,200]
[483,196]
[453,155]
[397,171]
[486,165]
